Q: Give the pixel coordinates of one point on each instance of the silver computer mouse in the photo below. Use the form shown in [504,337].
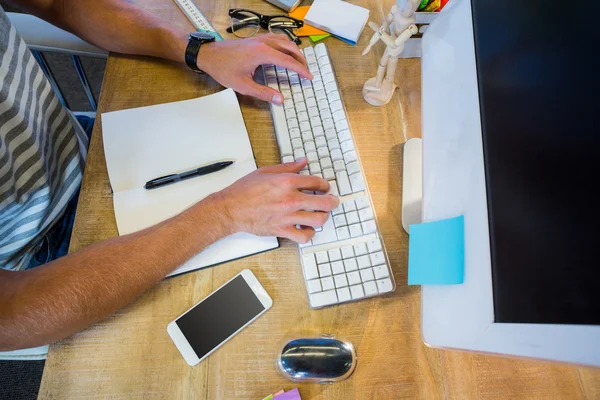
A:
[324,359]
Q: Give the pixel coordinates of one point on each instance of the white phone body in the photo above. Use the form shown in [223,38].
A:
[179,337]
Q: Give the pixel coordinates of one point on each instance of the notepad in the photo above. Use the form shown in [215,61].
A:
[340,18]
[148,142]
[436,252]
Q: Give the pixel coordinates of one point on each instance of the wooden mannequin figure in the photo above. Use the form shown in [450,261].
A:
[398,27]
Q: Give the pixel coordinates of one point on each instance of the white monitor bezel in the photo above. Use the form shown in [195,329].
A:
[462,316]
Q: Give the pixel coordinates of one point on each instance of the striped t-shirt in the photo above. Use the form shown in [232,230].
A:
[42,152]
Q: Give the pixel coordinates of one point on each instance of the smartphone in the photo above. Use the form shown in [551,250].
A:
[206,326]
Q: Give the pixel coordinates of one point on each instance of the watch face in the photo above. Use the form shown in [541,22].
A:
[202,36]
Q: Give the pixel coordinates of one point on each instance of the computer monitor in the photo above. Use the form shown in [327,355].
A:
[511,141]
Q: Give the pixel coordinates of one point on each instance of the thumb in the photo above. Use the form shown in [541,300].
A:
[289,168]
[251,88]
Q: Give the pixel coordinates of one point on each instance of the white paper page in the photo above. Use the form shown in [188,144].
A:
[145,143]
[338,17]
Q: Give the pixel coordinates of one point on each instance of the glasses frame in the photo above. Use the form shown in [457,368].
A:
[264,22]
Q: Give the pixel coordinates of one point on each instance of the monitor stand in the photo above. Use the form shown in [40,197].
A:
[412,183]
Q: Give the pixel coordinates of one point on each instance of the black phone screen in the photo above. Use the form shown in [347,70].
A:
[219,316]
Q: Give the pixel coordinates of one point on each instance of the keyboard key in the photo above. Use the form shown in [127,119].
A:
[374,245]
[344,135]
[292,123]
[347,252]
[350,156]
[363,262]
[341,125]
[349,206]
[370,288]
[320,92]
[333,96]
[337,267]
[307,136]
[328,173]
[324,269]
[381,271]
[323,298]
[327,283]
[296,88]
[331,134]
[294,133]
[350,264]
[353,167]
[333,144]
[338,165]
[326,162]
[322,257]
[360,249]
[355,230]
[365,214]
[335,254]
[302,116]
[328,124]
[300,106]
[313,286]
[326,69]
[339,209]
[340,280]
[309,51]
[352,217]
[311,103]
[313,112]
[330,87]
[339,220]
[353,278]
[336,154]
[297,144]
[342,233]
[318,131]
[298,97]
[347,146]
[313,68]
[365,274]
[310,146]
[385,285]
[310,267]
[315,121]
[357,182]
[344,294]
[377,258]
[357,291]
[327,234]
[287,159]
[299,153]
[323,152]
[336,105]
[362,202]
[314,167]
[313,157]
[320,50]
[343,182]
[326,114]
[369,227]
[338,117]
[309,93]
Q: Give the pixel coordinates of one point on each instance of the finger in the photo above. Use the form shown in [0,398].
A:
[283,60]
[314,183]
[251,88]
[308,218]
[302,235]
[317,202]
[286,47]
[290,168]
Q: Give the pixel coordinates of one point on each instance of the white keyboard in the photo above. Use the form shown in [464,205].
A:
[346,260]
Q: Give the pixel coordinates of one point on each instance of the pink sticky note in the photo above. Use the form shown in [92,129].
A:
[290,395]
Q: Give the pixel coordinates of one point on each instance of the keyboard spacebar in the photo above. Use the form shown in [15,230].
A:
[281,130]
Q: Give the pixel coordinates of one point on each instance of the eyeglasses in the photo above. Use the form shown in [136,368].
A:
[245,23]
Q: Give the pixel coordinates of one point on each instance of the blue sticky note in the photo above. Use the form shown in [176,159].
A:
[436,252]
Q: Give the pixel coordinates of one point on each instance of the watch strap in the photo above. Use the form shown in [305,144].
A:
[191,53]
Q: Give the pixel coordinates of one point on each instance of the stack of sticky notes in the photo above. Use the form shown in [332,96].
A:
[281,395]
[344,20]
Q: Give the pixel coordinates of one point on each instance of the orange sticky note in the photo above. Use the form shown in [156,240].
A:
[306,30]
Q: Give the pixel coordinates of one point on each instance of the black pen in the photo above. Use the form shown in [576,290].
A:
[167,180]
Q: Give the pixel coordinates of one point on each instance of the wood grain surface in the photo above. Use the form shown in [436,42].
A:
[130,355]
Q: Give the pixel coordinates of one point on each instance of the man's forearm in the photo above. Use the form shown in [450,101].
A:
[114,25]
[67,295]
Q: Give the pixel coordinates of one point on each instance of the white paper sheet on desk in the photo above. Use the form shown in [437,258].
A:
[144,143]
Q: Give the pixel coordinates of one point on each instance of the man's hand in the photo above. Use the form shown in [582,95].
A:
[270,202]
[233,62]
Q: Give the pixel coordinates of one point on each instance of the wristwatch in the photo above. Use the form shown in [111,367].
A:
[191,51]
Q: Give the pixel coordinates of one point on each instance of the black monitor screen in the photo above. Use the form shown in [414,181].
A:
[539,88]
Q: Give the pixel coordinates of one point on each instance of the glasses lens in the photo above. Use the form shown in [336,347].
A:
[244,24]
[281,25]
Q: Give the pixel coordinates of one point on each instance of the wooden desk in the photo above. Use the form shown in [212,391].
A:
[129,355]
